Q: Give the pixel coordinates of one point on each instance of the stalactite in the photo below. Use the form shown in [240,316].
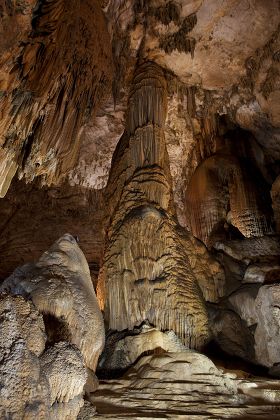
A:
[221,183]
[56,77]
[146,273]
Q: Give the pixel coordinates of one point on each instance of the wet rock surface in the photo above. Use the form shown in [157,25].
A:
[176,385]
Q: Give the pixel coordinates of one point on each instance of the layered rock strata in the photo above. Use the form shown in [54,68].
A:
[186,385]
[146,274]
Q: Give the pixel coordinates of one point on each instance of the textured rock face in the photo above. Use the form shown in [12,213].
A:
[268,323]
[24,388]
[231,333]
[121,353]
[60,285]
[146,273]
[176,104]
[243,302]
[26,232]
[220,184]
[197,40]
[172,385]
[55,68]
[66,380]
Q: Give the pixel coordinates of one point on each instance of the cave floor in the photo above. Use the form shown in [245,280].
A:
[175,386]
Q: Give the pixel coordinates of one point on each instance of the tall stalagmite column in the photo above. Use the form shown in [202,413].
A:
[146,274]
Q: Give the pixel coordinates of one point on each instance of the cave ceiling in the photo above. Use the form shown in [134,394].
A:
[64,86]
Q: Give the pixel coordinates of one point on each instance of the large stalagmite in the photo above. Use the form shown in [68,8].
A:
[146,274]
[60,286]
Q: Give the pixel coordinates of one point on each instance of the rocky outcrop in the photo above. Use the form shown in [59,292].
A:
[146,274]
[60,286]
[252,249]
[267,343]
[121,353]
[66,380]
[231,333]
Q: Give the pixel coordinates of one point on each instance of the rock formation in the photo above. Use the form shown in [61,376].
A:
[60,286]
[64,368]
[24,389]
[121,353]
[176,385]
[150,130]
[221,185]
[146,274]
[55,68]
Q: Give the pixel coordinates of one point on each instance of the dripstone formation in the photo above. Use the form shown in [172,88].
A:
[149,130]
[146,274]
[60,285]
[52,335]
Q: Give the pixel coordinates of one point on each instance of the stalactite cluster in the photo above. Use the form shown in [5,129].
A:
[221,190]
[146,274]
[53,83]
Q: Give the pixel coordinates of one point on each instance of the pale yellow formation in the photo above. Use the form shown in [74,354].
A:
[60,285]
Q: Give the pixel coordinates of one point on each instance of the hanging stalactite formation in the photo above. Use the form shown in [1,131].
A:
[222,191]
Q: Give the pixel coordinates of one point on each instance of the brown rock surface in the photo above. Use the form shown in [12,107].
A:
[53,73]
[146,274]
[188,384]
[32,219]
[24,389]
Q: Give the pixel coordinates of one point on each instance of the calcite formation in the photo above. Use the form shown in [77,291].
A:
[146,273]
[66,380]
[121,353]
[24,391]
[55,69]
[186,385]
[219,185]
[136,93]
[60,285]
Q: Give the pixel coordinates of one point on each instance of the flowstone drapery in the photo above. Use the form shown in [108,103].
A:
[221,183]
[146,274]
